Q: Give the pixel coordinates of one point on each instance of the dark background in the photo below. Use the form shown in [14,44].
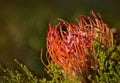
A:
[24,24]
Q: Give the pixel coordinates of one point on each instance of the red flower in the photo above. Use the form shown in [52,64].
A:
[71,45]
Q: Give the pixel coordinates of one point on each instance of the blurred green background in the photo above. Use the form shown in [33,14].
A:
[24,24]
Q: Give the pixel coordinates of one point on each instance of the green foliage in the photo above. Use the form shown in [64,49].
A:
[54,72]
[108,70]
[16,76]
[57,75]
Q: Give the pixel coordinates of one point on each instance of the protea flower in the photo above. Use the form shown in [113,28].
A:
[71,45]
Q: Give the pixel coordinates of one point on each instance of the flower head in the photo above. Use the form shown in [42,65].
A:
[71,45]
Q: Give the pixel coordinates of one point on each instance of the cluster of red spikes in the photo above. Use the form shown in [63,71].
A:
[71,45]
